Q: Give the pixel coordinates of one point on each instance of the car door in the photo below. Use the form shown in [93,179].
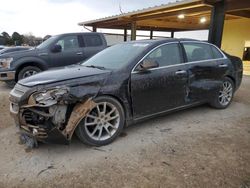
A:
[162,88]
[71,52]
[202,71]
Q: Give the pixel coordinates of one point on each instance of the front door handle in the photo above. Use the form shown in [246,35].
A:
[180,72]
[79,53]
[222,65]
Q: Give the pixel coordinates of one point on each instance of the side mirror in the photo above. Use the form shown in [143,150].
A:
[57,48]
[147,64]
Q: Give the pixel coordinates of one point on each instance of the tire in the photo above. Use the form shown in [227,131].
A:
[28,71]
[227,90]
[100,123]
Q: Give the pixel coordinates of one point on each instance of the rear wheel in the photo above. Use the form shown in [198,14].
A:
[225,95]
[28,71]
[103,123]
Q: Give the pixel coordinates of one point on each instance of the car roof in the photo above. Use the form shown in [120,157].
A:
[78,33]
[165,40]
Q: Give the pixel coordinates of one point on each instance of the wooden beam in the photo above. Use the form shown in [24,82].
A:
[172,8]
[238,5]
[240,14]
[173,25]
[172,34]
[133,31]
[200,8]
[125,35]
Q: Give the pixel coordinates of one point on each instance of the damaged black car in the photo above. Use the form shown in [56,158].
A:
[121,85]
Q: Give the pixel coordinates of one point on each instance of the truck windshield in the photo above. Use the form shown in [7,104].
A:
[117,56]
[46,43]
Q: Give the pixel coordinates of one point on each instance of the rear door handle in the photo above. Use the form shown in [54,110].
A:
[180,72]
[79,53]
[222,65]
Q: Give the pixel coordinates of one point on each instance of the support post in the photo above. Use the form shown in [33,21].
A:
[172,34]
[133,31]
[151,34]
[217,23]
[125,35]
[94,29]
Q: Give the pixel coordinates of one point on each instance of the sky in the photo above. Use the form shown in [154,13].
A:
[42,17]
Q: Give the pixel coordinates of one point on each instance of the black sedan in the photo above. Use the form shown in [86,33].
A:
[121,85]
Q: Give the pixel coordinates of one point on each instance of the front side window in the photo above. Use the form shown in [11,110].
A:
[166,55]
[68,43]
[198,51]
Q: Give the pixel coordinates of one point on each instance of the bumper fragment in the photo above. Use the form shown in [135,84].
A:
[8,75]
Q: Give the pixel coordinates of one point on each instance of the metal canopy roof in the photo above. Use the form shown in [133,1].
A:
[165,17]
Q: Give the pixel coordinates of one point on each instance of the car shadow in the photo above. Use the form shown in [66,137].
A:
[161,121]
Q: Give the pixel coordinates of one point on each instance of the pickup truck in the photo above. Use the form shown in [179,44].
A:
[59,50]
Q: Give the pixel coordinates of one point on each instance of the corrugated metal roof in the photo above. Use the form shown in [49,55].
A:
[139,11]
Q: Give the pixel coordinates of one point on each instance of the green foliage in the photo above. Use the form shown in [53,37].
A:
[18,39]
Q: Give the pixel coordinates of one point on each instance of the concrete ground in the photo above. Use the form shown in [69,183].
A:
[198,147]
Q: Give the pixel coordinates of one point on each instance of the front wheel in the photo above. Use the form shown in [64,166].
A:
[28,71]
[103,123]
[224,97]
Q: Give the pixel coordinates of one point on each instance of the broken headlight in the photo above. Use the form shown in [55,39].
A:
[5,62]
[48,97]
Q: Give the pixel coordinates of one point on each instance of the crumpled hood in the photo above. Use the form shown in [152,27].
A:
[62,74]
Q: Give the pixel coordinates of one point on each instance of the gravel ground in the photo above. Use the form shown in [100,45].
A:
[198,147]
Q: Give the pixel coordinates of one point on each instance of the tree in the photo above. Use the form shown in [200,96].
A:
[7,39]
[29,39]
[17,38]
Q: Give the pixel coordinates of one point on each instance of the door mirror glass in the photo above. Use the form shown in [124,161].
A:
[148,64]
[57,48]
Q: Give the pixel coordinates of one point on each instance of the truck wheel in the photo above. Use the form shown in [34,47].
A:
[103,123]
[28,71]
[224,97]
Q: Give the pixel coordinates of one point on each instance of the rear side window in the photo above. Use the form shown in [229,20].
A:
[166,55]
[92,40]
[216,53]
[198,51]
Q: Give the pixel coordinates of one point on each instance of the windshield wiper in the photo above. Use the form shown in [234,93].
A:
[94,66]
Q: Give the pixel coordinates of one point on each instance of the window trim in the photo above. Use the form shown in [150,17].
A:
[184,63]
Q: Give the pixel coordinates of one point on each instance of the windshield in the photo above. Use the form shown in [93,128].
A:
[117,56]
[46,43]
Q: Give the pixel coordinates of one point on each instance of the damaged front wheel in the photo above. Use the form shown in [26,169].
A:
[103,123]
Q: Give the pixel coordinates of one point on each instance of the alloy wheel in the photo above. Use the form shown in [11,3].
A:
[102,122]
[226,93]
[29,73]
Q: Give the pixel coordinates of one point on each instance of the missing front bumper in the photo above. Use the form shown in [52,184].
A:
[50,129]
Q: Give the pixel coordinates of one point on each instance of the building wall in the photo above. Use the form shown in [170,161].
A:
[236,36]
[236,33]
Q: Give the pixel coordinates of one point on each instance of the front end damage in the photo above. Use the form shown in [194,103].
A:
[49,116]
